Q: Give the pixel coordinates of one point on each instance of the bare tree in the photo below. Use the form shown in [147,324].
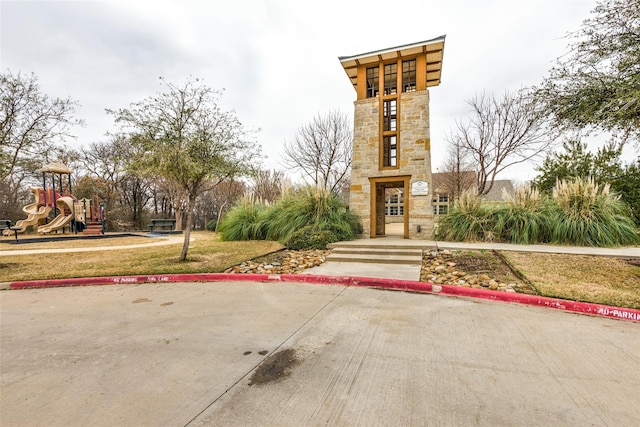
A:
[501,133]
[30,122]
[458,173]
[322,151]
[215,201]
[125,194]
[267,184]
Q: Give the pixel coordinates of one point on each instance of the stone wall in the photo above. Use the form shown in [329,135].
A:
[414,159]
[365,154]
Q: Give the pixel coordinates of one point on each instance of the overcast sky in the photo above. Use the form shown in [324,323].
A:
[276,59]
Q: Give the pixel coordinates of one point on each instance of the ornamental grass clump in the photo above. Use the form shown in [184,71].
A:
[468,220]
[308,218]
[244,221]
[585,213]
[523,218]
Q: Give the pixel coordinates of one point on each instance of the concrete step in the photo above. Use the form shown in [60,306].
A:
[375,259]
[376,251]
[379,244]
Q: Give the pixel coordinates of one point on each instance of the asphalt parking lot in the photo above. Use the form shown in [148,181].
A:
[189,354]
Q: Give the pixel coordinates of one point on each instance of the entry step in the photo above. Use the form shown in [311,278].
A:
[376,251]
[414,259]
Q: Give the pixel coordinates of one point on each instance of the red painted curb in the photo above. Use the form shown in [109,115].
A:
[393,284]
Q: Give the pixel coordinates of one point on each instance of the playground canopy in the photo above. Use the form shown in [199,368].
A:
[56,167]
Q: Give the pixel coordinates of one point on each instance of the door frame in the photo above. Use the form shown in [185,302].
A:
[373,182]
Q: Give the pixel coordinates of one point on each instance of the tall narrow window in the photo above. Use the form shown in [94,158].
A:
[409,76]
[389,115]
[389,151]
[373,82]
[390,79]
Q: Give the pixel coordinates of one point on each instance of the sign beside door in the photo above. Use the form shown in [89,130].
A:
[420,188]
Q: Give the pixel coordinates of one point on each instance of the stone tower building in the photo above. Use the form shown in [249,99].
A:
[391,145]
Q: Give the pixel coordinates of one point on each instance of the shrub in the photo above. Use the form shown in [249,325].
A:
[211,225]
[243,221]
[523,219]
[326,215]
[580,212]
[310,238]
[468,220]
[587,214]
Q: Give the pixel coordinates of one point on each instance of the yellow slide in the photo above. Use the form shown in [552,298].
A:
[34,214]
[61,220]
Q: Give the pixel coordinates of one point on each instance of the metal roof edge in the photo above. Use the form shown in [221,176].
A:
[391,49]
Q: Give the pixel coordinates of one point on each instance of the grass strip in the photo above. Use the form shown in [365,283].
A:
[600,280]
[207,254]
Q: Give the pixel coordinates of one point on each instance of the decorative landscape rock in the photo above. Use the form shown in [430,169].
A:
[438,268]
[284,262]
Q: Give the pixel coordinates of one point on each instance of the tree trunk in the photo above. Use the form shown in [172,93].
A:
[219,216]
[179,216]
[187,231]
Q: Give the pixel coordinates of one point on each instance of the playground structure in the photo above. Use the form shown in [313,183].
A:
[35,214]
[84,215]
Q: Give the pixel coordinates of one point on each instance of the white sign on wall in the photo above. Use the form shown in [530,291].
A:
[420,188]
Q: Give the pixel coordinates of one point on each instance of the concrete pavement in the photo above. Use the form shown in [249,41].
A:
[366,269]
[183,354]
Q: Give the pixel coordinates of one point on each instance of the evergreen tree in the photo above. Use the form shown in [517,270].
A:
[597,84]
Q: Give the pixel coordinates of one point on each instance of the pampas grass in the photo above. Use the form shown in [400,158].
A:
[588,214]
[580,212]
[296,210]
[522,219]
[467,221]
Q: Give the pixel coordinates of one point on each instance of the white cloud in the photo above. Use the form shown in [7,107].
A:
[277,60]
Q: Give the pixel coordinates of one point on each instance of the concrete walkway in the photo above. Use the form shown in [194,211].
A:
[366,269]
[622,252]
[184,354]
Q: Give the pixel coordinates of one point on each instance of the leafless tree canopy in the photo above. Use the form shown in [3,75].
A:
[501,132]
[267,184]
[458,173]
[214,202]
[322,150]
[30,122]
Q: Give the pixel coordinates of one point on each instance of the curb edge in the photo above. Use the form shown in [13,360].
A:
[620,313]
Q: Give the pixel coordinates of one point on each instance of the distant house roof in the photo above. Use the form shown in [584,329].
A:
[441,180]
[496,194]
